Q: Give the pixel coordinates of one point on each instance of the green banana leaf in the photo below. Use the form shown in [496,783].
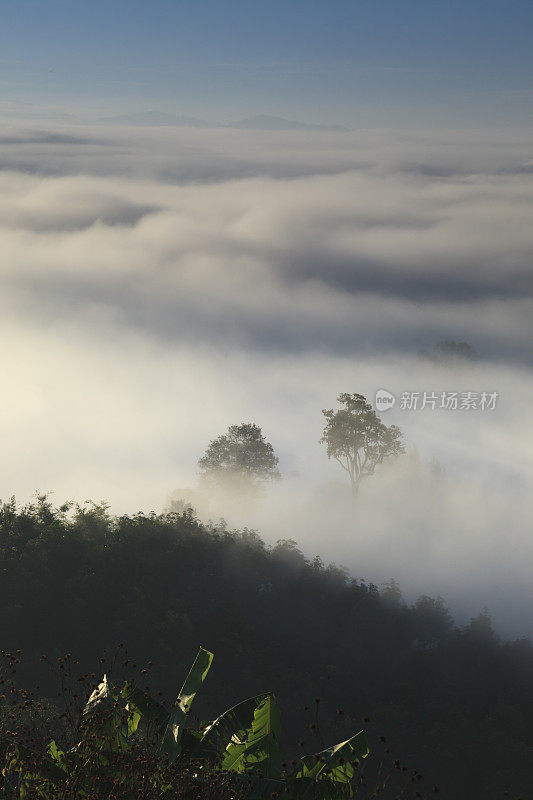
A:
[57,755]
[170,742]
[232,726]
[140,705]
[335,763]
[260,751]
[19,757]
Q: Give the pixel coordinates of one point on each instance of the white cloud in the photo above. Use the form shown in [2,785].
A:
[142,315]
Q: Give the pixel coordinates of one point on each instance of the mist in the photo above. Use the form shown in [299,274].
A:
[159,286]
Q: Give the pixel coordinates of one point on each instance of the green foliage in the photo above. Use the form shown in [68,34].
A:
[357,439]
[230,729]
[242,454]
[81,582]
[128,745]
[337,762]
[175,726]
[259,748]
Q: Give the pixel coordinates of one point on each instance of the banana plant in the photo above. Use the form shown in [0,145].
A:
[330,772]
[238,753]
[175,726]
[232,726]
[259,751]
[337,762]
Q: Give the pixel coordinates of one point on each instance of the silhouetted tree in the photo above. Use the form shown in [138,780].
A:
[242,454]
[357,439]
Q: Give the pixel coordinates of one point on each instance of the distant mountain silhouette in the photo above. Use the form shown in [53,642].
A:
[267,122]
[260,122]
[157,118]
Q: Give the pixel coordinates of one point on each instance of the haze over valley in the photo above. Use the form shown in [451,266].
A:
[161,284]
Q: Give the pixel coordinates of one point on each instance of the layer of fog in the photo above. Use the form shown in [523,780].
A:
[158,287]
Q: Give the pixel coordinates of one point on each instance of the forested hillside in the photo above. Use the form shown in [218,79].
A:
[456,704]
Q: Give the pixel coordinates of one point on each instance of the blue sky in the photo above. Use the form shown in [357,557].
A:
[368,62]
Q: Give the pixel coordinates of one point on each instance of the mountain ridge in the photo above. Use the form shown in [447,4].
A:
[255,122]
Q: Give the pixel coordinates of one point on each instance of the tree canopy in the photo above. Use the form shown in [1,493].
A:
[357,439]
[241,454]
[456,703]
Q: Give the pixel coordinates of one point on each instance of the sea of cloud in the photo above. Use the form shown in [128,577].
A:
[159,285]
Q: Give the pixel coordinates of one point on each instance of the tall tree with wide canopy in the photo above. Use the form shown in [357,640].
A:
[357,439]
[242,454]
